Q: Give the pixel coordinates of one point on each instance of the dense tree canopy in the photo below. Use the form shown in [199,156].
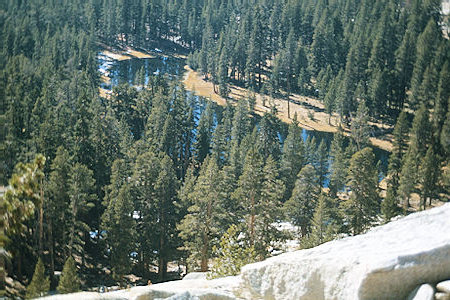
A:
[152,174]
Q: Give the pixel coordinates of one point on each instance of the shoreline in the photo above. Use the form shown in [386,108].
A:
[305,107]
[194,82]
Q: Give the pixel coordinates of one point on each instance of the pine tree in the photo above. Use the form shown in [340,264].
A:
[69,281]
[311,150]
[360,127]
[57,206]
[23,196]
[82,199]
[426,47]
[204,134]
[40,284]
[429,176]
[202,225]
[166,186]
[248,191]
[292,158]
[420,132]
[322,161]
[269,208]
[300,207]
[389,206]
[445,135]
[408,179]
[268,142]
[419,141]
[338,170]
[224,90]
[404,60]
[441,104]
[232,254]
[322,224]
[118,222]
[241,122]
[363,204]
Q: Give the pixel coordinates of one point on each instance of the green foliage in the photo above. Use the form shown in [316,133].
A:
[69,281]
[203,222]
[23,195]
[300,207]
[82,199]
[363,205]
[360,126]
[232,254]
[389,207]
[120,227]
[429,177]
[269,209]
[248,191]
[340,154]
[389,57]
[324,226]
[40,284]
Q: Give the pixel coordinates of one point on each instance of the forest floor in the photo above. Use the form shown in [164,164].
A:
[311,113]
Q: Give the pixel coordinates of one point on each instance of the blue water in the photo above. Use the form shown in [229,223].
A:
[125,72]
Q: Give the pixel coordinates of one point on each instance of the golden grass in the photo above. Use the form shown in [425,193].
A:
[138,54]
[116,56]
[321,121]
[195,83]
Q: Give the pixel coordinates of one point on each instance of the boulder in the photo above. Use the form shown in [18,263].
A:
[388,262]
[195,275]
[444,286]
[442,296]
[423,292]
[198,289]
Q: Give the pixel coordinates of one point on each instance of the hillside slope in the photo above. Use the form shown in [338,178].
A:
[388,262]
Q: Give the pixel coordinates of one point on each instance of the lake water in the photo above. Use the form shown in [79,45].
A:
[125,71]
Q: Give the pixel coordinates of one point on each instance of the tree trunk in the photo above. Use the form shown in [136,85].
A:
[41,221]
[259,75]
[162,261]
[72,229]
[204,254]
[406,204]
[288,100]
[252,221]
[51,248]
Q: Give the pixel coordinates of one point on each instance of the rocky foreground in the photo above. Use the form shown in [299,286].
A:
[407,258]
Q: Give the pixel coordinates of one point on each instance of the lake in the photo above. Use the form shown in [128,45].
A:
[125,71]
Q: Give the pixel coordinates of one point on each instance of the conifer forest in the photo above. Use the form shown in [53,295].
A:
[149,180]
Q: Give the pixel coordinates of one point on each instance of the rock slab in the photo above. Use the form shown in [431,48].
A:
[423,292]
[444,286]
[388,262]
